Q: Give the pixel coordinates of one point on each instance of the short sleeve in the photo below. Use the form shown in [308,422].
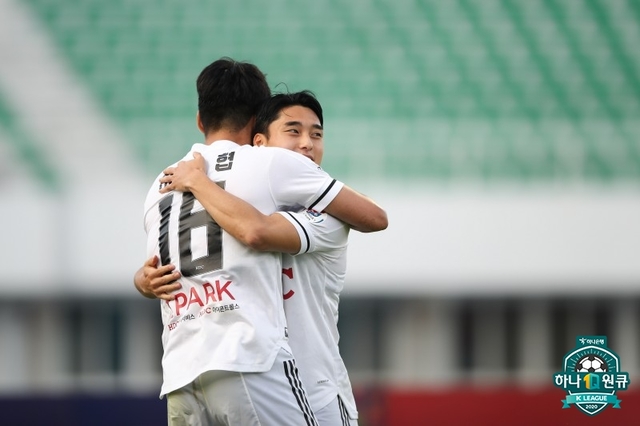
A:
[295,180]
[318,231]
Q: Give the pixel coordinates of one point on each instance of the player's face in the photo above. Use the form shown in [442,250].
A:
[297,129]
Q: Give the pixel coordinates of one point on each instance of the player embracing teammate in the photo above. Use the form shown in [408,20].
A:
[228,220]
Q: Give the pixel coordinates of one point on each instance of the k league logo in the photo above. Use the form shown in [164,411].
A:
[591,376]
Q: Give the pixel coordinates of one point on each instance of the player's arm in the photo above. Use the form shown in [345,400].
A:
[340,201]
[357,210]
[239,218]
[155,282]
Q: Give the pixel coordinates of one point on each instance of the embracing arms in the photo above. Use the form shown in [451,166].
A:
[239,218]
[245,223]
[357,210]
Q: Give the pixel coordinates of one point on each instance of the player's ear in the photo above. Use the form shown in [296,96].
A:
[259,139]
[199,122]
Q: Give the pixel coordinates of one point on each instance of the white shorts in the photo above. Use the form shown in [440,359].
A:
[229,398]
[335,414]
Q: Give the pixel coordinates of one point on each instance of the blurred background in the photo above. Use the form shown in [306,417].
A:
[501,136]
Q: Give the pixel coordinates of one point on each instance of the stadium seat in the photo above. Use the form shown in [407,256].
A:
[505,74]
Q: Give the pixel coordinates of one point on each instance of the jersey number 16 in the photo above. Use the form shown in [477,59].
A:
[187,222]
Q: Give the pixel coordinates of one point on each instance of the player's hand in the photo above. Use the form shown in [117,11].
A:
[183,176]
[159,282]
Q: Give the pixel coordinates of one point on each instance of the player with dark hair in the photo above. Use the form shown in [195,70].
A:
[314,277]
[226,357]
[273,108]
[219,107]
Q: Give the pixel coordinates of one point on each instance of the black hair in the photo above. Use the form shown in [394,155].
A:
[271,108]
[230,93]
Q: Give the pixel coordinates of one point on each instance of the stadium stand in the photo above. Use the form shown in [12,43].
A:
[39,167]
[491,90]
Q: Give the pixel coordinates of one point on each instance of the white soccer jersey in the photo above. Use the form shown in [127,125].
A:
[312,282]
[228,315]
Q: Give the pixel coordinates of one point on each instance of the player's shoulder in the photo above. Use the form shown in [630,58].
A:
[214,149]
[274,160]
[153,194]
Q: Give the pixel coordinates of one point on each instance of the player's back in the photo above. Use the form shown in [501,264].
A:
[228,315]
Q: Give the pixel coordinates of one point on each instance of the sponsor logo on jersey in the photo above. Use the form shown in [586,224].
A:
[314,216]
[203,295]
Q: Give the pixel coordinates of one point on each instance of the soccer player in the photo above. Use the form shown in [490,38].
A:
[226,358]
[314,277]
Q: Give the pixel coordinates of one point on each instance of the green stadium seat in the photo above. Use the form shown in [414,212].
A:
[530,90]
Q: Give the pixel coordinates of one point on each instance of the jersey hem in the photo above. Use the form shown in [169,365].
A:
[238,368]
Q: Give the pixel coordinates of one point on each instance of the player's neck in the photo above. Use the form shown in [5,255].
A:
[241,137]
